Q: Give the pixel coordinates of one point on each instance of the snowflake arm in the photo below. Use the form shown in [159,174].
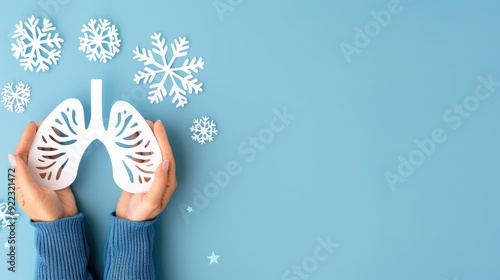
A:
[179,49]
[19,48]
[148,58]
[189,83]
[158,92]
[192,65]
[161,48]
[179,95]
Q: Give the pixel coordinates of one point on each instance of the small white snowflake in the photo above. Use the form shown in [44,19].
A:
[36,46]
[169,72]
[16,100]
[203,130]
[101,41]
[5,215]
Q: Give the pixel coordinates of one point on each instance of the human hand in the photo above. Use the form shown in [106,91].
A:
[148,205]
[39,203]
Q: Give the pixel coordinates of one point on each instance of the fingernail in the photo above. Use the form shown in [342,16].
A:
[159,121]
[13,161]
[165,166]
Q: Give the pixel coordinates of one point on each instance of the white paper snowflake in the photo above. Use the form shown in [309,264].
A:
[16,100]
[171,74]
[203,130]
[5,214]
[36,46]
[101,41]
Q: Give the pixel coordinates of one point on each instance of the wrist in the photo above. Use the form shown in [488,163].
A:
[132,218]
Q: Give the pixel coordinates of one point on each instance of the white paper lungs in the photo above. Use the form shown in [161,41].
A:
[62,139]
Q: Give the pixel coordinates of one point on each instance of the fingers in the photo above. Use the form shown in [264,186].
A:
[166,150]
[150,123]
[24,145]
[164,182]
[161,137]
[25,186]
[157,190]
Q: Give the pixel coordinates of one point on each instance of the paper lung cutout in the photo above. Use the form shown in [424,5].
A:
[62,139]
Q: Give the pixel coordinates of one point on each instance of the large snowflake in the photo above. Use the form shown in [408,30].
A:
[36,46]
[16,100]
[5,214]
[101,41]
[203,130]
[171,74]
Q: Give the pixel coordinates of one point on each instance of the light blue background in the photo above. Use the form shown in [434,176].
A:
[324,174]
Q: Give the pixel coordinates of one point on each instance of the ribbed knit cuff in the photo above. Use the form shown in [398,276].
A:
[129,249]
[62,249]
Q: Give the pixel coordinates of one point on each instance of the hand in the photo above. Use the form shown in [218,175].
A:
[39,203]
[148,205]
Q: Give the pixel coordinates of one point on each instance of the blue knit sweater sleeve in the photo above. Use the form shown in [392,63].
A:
[129,250]
[62,250]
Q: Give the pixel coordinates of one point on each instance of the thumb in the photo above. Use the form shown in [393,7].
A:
[155,193]
[25,185]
